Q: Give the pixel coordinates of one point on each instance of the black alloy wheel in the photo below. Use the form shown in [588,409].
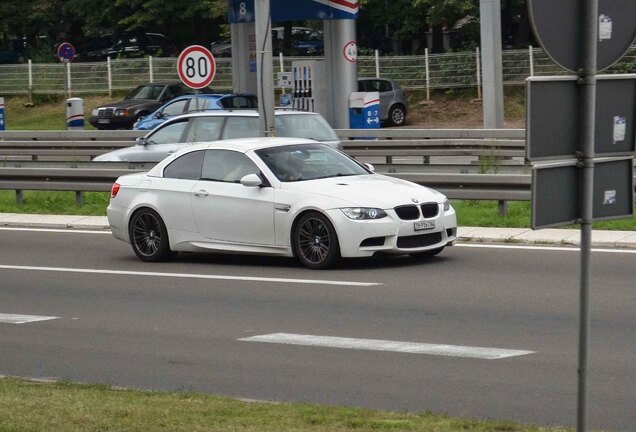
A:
[315,241]
[397,115]
[149,236]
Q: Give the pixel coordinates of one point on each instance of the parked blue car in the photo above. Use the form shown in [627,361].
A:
[186,104]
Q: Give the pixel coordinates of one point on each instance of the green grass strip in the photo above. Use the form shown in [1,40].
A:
[65,407]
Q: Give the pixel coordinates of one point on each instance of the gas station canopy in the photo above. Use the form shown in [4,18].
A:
[288,10]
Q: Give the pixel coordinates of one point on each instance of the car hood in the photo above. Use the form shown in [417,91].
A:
[118,155]
[131,103]
[374,190]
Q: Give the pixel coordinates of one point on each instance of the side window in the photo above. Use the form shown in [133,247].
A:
[361,86]
[156,92]
[241,127]
[227,166]
[384,86]
[175,108]
[169,134]
[206,104]
[205,129]
[203,104]
[186,167]
[373,85]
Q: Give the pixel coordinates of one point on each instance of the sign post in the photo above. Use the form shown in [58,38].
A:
[3,119]
[66,54]
[196,68]
[582,36]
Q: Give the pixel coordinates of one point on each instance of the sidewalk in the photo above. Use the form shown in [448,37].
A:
[559,237]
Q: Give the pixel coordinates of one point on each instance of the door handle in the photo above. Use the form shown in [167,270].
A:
[201,193]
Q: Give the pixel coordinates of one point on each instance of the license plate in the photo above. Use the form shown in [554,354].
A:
[102,121]
[423,225]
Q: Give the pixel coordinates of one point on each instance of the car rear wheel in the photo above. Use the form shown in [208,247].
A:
[315,242]
[397,115]
[149,236]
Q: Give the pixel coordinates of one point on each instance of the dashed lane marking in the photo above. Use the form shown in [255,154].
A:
[386,345]
[22,319]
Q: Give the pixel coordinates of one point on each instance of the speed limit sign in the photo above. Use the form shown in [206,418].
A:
[196,66]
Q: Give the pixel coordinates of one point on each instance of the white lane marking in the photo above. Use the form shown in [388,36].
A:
[542,248]
[189,275]
[21,319]
[385,345]
[57,230]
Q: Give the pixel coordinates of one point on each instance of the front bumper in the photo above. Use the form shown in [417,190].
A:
[112,122]
[393,235]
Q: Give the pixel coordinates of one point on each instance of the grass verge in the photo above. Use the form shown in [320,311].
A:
[65,407]
[469,213]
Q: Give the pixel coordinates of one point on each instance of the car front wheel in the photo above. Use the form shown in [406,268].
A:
[397,115]
[315,242]
[149,236]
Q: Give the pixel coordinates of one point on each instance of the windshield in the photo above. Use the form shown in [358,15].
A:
[145,92]
[309,162]
[312,126]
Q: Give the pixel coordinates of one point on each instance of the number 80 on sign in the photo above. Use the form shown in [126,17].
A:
[196,66]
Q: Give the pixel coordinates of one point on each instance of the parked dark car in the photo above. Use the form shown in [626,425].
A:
[140,102]
[126,46]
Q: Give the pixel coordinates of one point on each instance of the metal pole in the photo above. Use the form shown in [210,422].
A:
[68,77]
[531,59]
[30,80]
[377,64]
[65,78]
[110,77]
[492,74]
[478,66]
[151,71]
[587,80]
[428,77]
[264,67]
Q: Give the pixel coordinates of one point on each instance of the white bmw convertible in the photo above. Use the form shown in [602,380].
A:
[277,196]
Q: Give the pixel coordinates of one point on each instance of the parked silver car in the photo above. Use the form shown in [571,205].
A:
[393,105]
[187,129]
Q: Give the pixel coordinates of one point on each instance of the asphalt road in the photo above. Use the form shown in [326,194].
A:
[180,325]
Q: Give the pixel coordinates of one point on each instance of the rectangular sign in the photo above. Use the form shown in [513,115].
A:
[557,192]
[553,117]
[290,10]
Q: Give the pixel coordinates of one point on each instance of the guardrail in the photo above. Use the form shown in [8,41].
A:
[476,164]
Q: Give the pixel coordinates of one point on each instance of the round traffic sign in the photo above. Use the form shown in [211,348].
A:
[196,66]
[66,52]
[556,26]
[350,51]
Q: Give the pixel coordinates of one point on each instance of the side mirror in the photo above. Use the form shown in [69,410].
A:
[159,115]
[251,180]
[141,141]
[369,167]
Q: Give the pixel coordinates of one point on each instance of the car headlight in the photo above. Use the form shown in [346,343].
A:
[122,113]
[363,213]
[447,205]
[95,112]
